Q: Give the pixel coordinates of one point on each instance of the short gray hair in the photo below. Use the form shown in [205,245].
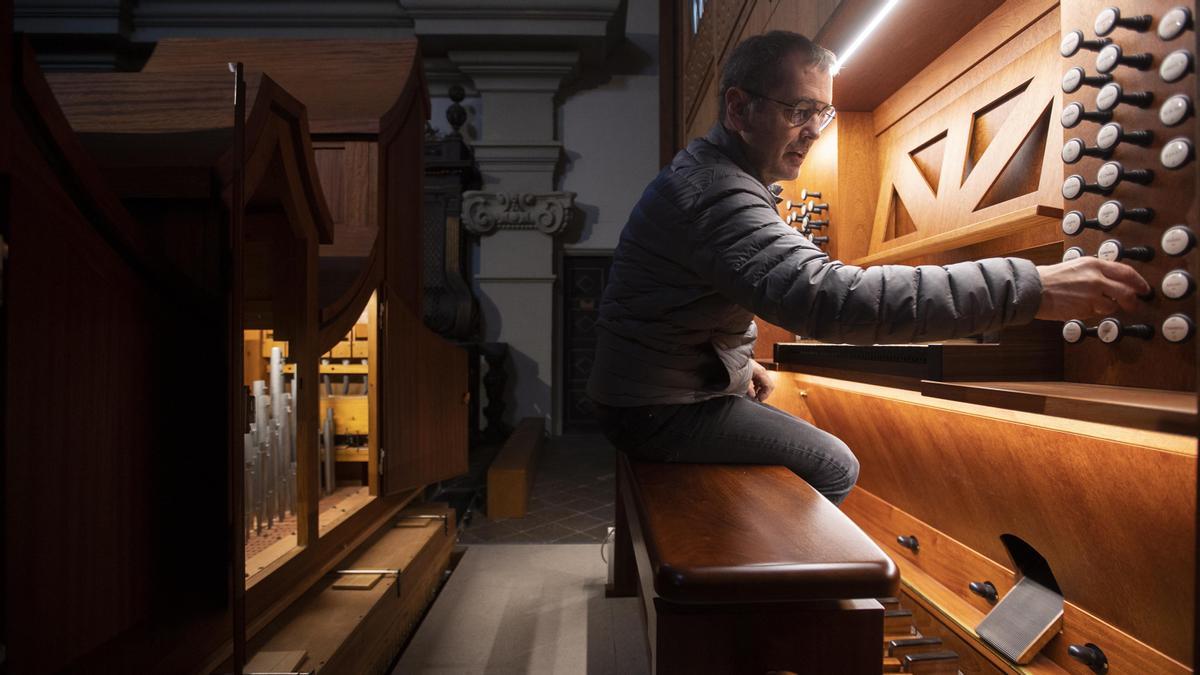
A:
[755,61]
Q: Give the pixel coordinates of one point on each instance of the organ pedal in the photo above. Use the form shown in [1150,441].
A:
[897,621]
[930,663]
[906,650]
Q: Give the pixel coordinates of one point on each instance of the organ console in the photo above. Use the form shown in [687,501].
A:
[965,160]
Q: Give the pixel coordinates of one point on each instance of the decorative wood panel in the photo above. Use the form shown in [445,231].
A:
[993,153]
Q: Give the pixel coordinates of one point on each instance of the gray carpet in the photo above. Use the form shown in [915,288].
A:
[528,608]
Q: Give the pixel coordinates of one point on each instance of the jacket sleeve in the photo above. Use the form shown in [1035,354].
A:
[738,244]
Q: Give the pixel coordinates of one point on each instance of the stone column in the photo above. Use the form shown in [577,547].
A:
[518,212]
[517,288]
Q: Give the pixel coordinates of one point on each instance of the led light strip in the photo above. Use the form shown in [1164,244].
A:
[862,37]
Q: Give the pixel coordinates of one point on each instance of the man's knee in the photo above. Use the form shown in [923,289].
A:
[842,471]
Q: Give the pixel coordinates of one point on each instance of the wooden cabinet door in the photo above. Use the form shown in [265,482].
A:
[423,403]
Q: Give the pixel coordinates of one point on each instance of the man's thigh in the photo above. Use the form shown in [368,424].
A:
[738,430]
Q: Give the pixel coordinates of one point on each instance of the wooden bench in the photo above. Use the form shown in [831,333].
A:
[746,569]
[510,475]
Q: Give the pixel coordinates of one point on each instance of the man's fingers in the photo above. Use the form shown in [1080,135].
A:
[1126,275]
[1122,294]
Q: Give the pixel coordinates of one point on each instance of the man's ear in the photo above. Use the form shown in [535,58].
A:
[737,109]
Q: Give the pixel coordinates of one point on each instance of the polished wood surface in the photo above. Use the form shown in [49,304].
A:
[1155,409]
[1131,362]
[956,467]
[758,534]
[726,631]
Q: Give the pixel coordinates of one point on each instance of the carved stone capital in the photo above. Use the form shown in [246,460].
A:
[486,212]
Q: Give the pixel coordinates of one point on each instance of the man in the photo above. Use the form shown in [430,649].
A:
[704,250]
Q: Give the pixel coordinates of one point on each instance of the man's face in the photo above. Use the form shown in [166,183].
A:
[772,144]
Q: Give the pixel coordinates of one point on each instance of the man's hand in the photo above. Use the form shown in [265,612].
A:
[761,384]
[1084,287]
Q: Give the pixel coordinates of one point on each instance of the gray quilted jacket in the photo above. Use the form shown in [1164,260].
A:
[705,250]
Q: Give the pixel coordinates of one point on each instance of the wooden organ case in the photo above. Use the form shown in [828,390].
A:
[366,104]
[1078,439]
[105,589]
[179,215]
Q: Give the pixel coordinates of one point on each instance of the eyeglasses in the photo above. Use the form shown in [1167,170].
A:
[800,112]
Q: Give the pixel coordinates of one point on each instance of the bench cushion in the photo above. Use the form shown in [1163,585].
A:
[741,533]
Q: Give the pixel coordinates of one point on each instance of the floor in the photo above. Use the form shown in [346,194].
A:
[571,502]
[528,594]
[512,609]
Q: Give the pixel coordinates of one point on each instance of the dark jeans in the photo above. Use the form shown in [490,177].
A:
[733,430]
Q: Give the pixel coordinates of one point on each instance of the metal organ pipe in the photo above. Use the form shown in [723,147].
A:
[330,450]
[270,451]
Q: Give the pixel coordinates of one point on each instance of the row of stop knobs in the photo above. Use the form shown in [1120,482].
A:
[1175,328]
[1176,153]
[805,214]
